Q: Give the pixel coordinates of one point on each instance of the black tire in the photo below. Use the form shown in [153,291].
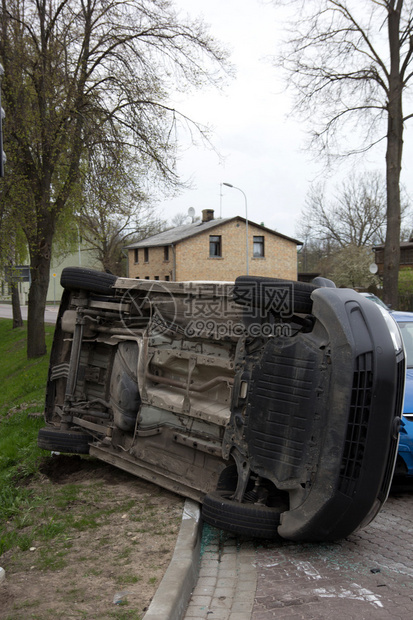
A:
[75,278]
[243,519]
[260,292]
[56,440]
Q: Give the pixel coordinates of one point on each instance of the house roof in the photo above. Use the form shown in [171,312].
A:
[403,244]
[180,233]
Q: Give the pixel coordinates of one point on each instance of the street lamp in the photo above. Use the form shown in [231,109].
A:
[246,220]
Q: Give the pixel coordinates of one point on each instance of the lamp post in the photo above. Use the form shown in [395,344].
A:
[246,220]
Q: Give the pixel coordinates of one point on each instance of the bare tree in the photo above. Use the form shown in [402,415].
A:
[179,219]
[106,235]
[350,267]
[79,73]
[114,208]
[356,215]
[350,62]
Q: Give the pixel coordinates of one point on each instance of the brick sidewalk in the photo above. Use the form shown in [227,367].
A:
[368,575]
[227,578]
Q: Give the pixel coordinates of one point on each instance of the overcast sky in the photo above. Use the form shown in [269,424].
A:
[263,151]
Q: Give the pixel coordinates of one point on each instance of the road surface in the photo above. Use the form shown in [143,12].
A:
[50,314]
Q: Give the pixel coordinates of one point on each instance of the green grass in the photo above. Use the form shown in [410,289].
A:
[22,381]
[53,514]
[23,384]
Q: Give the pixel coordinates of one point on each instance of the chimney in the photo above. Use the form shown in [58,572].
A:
[207,215]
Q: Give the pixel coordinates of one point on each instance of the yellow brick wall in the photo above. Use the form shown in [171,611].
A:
[194,263]
[156,266]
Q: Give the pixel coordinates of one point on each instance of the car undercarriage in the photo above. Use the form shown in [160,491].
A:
[275,404]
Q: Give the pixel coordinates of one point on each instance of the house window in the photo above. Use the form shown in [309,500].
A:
[156,277]
[215,249]
[146,255]
[258,247]
[166,253]
[136,255]
[166,278]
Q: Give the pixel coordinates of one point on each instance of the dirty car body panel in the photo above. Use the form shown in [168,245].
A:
[275,404]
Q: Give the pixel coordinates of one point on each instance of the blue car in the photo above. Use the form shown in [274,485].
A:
[404,465]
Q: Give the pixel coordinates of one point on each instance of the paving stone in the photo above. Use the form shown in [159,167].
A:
[221,602]
[228,560]
[223,593]
[243,606]
[208,581]
[243,595]
[209,562]
[227,582]
[201,601]
[227,573]
[203,590]
[207,572]
[219,614]
[194,611]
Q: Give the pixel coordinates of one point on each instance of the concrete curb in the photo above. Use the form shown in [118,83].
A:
[172,596]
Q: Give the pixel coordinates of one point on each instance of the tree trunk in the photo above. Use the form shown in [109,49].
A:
[393,165]
[40,275]
[392,243]
[15,302]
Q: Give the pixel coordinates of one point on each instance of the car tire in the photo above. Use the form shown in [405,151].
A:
[56,440]
[75,278]
[252,291]
[244,519]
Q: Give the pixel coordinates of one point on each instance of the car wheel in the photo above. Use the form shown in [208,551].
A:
[75,442]
[267,294]
[88,279]
[244,519]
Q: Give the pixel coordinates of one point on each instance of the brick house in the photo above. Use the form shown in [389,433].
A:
[406,256]
[213,249]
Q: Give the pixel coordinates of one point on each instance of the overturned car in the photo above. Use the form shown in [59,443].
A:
[275,404]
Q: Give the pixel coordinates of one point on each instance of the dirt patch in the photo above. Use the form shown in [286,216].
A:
[102,535]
